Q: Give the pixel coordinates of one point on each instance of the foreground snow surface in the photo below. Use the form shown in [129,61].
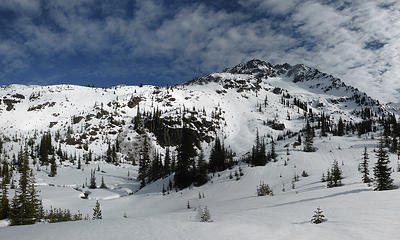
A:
[354,211]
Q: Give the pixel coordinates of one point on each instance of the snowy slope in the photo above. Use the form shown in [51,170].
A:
[225,104]
[353,211]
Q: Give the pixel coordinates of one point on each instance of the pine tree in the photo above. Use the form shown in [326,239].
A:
[103,185]
[340,128]
[4,204]
[334,177]
[204,214]
[167,163]
[45,149]
[25,207]
[382,170]
[79,164]
[5,172]
[92,179]
[186,153]
[273,154]
[217,161]
[33,198]
[144,163]
[53,167]
[97,211]
[202,167]
[318,216]
[309,138]
[364,167]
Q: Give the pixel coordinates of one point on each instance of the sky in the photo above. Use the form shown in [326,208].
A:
[107,42]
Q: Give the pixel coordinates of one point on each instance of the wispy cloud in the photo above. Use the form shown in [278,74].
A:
[155,41]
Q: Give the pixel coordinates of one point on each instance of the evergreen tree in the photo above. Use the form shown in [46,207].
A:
[204,214]
[273,154]
[340,128]
[318,216]
[4,204]
[103,185]
[45,149]
[79,164]
[144,163]
[202,167]
[382,170]
[5,172]
[309,135]
[258,153]
[33,198]
[92,179]
[53,167]
[364,167]
[334,177]
[217,161]
[167,163]
[97,211]
[25,207]
[186,153]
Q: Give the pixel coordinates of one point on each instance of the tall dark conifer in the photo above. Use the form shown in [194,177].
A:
[4,204]
[186,153]
[382,170]
[202,176]
[309,135]
[364,167]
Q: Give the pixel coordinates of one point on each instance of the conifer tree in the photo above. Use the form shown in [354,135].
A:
[25,207]
[185,161]
[4,204]
[273,154]
[309,135]
[318,216]
[92,179]
[364,167]
[33,198]
[97,211]
[382,170]
[103,185]
[204,214]
[336,174]
[202,167]
[5,172]
[79,164]
[45,149]
[53,167]
[167,163]
[144,163]
[217,161]
[340,128]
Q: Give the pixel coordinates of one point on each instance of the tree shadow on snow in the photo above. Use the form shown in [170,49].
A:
[320,198]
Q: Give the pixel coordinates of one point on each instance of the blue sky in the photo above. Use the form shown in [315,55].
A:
[105,42]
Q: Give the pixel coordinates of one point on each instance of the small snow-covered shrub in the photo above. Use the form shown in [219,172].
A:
[264,190]
[204,214]
[318,217]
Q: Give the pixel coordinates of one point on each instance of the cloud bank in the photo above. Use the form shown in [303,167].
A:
[165,42]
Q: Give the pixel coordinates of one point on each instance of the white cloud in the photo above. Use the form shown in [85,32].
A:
[329,35]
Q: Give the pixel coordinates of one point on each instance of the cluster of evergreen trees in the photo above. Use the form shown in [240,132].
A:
[334,176]
[259,155]
[189,166]
[25,207]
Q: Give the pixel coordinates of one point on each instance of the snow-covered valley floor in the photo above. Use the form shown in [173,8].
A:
[353,211]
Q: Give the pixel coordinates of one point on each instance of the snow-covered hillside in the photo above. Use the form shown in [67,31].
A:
[353,210]
[236,105]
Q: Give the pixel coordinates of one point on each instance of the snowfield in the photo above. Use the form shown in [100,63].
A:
[234,105]
[354,211]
